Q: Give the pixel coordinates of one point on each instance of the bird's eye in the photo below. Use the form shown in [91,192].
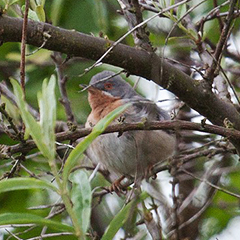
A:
[108,86]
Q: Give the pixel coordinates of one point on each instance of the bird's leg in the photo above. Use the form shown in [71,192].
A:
[149,173]
[121,119]
[116,185]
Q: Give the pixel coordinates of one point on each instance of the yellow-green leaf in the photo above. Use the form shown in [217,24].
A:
[81,196]
[26,218]
[121,217]
[25,183]
[40,13]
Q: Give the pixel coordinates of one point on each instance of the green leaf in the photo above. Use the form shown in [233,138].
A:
[40,13]
[31,14]
[31,124]
[47,105]
[26,218]
[81,197]
[25,183]
[33,4]
[56,10]
[43,133]
[11,109]
[181,10]
[121,217]
[41,2]
[77,153]
[12,2]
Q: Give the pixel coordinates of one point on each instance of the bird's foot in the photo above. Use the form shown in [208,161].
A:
[117,186]
[150,173]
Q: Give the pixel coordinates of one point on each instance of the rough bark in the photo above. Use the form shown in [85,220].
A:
[139,62]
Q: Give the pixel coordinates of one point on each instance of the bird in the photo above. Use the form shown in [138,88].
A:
[134,153]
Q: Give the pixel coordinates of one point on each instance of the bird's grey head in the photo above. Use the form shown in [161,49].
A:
[113,84]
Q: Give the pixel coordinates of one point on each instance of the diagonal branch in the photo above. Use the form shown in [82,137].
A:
[222,41]
[135,61]
[62,80]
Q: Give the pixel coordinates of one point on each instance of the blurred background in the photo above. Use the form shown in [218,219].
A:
[101,18]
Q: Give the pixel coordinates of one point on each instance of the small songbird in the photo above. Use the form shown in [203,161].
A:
[133,153]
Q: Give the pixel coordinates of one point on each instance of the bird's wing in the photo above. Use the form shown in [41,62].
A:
[144,110]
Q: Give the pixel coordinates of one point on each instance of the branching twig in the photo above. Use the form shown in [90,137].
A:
[210,184]
[132,30]
[222,42]
[16,166]
[193,218]
[226,77]
[62,80]
[133,15]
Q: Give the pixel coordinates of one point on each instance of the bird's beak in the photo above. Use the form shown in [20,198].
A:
[84,87]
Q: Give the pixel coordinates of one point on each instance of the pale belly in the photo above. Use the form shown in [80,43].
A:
[132,152]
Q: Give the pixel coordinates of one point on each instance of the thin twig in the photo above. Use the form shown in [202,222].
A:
[222,42]
[226,77]
[133,15]
[131,31]
[51,214]
[45,206]
[193,218]
[25,231]
[16,225]
[175,199]
[214,12]
[221,15]
[46,36]
[23,45]
[51,235]
[62,80]
[29,172]
[13,235]
[210,184]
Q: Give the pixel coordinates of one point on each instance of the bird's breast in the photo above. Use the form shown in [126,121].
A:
[101,105]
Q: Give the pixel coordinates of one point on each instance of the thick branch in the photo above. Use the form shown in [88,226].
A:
[135,61]
[175,125]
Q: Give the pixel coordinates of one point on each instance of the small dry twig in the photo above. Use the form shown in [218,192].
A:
[23,45]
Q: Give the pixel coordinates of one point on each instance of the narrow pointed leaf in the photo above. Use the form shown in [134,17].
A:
[47,105]
[40,13]
[81,197]
[121,218]
[31,124]
[26,218]
[24,183]
[43,133]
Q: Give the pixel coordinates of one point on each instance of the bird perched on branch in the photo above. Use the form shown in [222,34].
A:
[133,153]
